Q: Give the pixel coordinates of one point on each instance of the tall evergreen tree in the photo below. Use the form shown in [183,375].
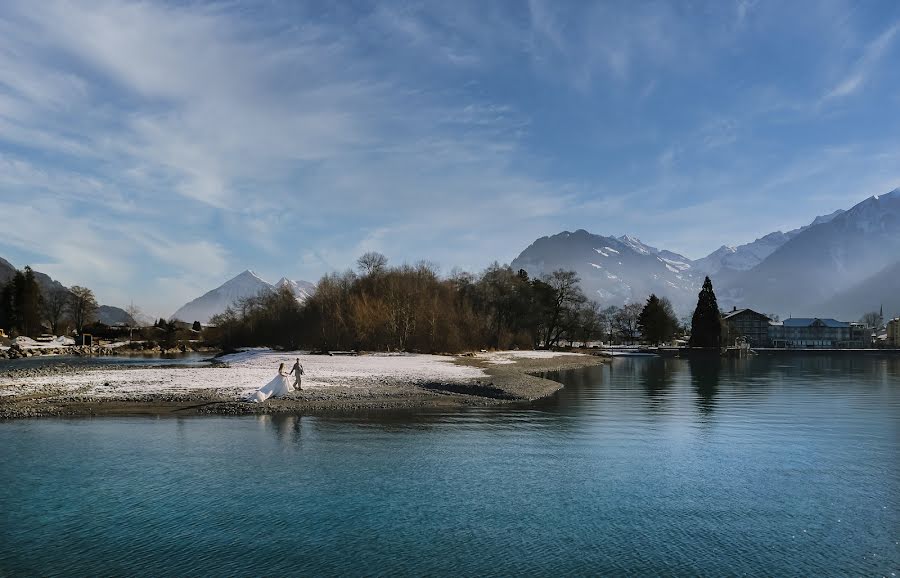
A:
[20,304]
[706,323]
[657,322]
[29,304]
[7,310]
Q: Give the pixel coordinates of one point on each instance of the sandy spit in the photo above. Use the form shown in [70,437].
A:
[338,383]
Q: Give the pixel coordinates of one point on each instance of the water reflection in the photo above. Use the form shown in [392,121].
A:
[286,427]
[705,380]
[656,377]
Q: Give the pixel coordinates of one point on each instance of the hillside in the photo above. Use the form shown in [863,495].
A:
[613,270]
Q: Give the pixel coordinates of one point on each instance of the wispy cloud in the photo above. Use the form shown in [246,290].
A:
[865,66]
[175,144]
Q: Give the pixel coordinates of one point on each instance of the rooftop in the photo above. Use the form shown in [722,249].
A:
[809,321]
[735,312]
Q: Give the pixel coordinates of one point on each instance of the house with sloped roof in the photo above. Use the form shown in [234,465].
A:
[816,333]
[749,325]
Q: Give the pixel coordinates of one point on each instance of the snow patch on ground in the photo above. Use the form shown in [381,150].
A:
[509,357]
[29,343]
[248,370]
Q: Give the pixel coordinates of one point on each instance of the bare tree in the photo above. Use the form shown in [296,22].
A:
[566,297]
[135,313]
[625,322]
[55,306]
[872,320]
[82,306]
[372,263]
[589,322]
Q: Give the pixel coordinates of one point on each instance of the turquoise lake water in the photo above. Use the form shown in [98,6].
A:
[775,466]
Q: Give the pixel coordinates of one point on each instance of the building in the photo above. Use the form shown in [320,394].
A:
[815,333]
[893,332]
[748,324]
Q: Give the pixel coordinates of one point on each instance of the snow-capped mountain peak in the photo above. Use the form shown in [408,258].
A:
[244,285]
[636,245]
[612,269]
[302,290]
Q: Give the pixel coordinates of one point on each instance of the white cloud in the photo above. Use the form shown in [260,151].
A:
[865,66]
[192,140]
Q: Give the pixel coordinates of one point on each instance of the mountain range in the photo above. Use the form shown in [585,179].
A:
[245,285]
[845,263]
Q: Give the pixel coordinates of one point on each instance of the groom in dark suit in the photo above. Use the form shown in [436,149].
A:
[297,370]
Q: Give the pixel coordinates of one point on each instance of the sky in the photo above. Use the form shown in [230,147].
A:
[152,150]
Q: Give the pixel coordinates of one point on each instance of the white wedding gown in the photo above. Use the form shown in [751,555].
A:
[278,387]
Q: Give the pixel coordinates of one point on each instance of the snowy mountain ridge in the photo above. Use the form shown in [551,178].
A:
[806,270]
[727,259]
[245,285]
[614,270]
[824,266]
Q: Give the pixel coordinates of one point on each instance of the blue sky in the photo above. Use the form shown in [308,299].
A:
[151,150]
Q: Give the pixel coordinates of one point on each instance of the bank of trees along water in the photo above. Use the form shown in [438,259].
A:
[402,308]
[27,310]
[413,308]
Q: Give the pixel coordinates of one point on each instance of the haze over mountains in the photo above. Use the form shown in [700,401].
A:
[245,285]
[842,264]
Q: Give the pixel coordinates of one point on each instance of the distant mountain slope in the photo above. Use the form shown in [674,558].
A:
[114,316]
[613,270]
[244,285]
[871,294]
[724,262]
[822,261]
[8,271]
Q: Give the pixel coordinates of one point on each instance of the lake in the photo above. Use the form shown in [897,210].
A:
[764,466]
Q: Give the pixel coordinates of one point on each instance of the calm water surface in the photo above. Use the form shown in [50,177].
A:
[770,466]
[150,360]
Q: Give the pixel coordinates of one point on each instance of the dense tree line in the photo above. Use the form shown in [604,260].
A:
[26,310]
[21,304]
[413,308]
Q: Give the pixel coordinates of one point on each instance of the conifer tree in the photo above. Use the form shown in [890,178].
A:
[657,321]
[706,323]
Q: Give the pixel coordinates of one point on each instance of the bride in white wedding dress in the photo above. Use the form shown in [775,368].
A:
[278,387]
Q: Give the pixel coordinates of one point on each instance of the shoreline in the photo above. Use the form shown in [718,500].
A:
[488,379]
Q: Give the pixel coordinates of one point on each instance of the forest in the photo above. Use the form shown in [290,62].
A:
[26,309]
[379,307]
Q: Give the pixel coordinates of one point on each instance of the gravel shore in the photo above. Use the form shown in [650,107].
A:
[331,384]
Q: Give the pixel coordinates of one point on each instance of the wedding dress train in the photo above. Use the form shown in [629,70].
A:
[278,387]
